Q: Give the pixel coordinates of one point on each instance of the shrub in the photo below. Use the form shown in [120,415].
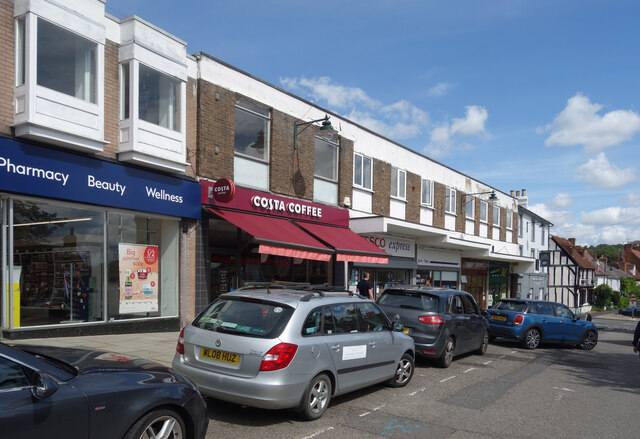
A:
[601,295]
[615,297]
[624,302]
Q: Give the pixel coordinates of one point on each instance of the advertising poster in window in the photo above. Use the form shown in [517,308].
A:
[138,278]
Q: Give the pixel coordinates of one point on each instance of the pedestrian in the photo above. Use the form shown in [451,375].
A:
[636,338]
[364,286]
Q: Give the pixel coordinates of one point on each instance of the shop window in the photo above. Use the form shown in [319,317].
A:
[427,192]
[484,211]
[362,171]
[57,263]
[66,62]
[251,145]
[496,216]
[325,184]
[450,200]
[142,274]
[398,183]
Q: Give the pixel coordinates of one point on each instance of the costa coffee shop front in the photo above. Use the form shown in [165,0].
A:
[256,237]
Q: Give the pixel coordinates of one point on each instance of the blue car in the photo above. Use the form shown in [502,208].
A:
[533,321]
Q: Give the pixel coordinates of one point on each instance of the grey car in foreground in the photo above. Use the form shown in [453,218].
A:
[444,323]
[281,348]
[50,392]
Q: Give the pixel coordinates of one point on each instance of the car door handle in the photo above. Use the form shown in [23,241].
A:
[336,348]
[545,320]
[372,344]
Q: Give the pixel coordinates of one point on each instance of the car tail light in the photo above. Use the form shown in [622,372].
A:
[518,319]
[429,351]
[431,320]
[180,345]
[278,357]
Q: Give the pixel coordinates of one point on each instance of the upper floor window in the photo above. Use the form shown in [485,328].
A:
[533,231]
[326,171]
[398,183]
[450,200]
[362,171]
[66,62]
[484,211]
[427,192]
[251,144]
[520,231]
[509,219]
[158,98]
[542,234]
[469,207]
[496,215]
[251,134]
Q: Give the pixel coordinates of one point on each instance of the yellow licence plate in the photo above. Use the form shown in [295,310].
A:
[405,331]
[501,318]
[225,357]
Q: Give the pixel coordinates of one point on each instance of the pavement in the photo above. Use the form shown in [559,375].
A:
[161,346]
[157,346]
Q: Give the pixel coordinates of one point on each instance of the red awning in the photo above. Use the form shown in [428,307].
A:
[277,236]
[349,245]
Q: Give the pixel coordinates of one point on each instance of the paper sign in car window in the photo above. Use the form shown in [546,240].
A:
[354,352]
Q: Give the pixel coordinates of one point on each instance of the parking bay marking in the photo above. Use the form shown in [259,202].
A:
[447,379]
[319,432]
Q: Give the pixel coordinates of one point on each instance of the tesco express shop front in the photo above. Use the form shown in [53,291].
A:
[89,246]
[254,237]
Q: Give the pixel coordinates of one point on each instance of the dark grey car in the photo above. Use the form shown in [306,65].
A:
[443,322]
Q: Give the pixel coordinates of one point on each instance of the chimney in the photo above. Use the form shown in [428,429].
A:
[523,200]
[572,241]
[512,192]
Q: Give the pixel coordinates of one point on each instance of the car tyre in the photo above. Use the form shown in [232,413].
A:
[589,340]
[531,339]
[404,371]
[158,423]
[446,357]
[485,343]
[316,398]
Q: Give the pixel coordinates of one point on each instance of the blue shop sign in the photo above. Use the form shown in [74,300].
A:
[33,170]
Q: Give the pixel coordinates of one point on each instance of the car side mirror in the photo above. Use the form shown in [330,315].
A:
[484,313]
[398,327]
[44,386]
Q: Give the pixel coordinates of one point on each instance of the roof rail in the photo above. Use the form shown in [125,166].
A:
[309,296]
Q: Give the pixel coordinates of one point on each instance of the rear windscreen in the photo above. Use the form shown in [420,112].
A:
[244,316]
[410,300]
[509,305]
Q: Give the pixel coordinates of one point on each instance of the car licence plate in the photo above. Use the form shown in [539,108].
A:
[501,318]
[405,331]
[224,356]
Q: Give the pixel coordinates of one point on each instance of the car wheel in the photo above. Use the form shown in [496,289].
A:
[589,340]
[531,339]
[165,424]
[447,354]
[485,343]
[404,371]
[316,398]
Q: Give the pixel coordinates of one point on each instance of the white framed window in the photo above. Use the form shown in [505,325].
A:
[427,192]
[496,215]
[542,234]
[469,207]
[20,51]
[362,171]
[509,219]
[533,231]
[484,211]
[520,231]
[251,144]
[158,98]
[66,62]
[398,183]
[450,200]
[325,183]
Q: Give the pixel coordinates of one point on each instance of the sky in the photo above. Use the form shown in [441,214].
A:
[539,95]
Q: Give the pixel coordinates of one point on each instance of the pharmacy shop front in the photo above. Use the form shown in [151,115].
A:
[89,246]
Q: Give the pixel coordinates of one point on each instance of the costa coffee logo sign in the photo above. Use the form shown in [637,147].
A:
[224,190]
[273,204]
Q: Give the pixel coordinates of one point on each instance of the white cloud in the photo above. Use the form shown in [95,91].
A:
[612,216]
[442,136]
[602,174]
[439,90]
[335,95]
[580,124]
[631,199]
[560,201]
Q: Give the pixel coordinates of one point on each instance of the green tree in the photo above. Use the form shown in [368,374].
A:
[601,295]
[615,298]
[629,286]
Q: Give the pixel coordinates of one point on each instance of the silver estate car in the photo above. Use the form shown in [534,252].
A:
[284,348]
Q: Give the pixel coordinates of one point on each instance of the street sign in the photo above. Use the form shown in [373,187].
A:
[632,301]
